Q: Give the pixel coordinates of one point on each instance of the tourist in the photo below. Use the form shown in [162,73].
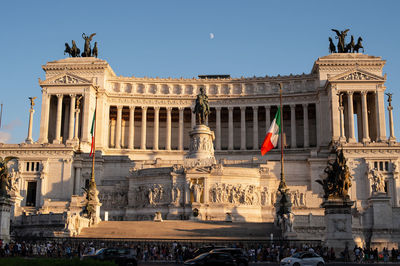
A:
[357,253]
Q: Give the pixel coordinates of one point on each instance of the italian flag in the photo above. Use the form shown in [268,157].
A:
[272,137]
[92,133]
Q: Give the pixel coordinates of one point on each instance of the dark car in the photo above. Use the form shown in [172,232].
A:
[204,249]
[121,256]
[237,253]
[211,259]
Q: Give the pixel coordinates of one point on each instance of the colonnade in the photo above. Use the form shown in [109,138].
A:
[70,119]
[248,124]
[369,109]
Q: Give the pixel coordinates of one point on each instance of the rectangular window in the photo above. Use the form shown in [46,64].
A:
[31,194]
[386,166]
[27,166]
[32,166]
[381,166]
[37,166]
[376,165]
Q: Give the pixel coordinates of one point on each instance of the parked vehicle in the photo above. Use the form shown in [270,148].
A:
[212,259]
[304,258]
[204,249]
[237,253]
[122,257]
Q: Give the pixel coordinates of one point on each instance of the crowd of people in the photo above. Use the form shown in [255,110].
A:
[180,251]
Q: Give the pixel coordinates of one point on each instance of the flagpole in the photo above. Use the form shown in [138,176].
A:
[282,184]
[92,180]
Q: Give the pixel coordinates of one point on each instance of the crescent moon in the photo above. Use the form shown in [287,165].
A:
[212,35]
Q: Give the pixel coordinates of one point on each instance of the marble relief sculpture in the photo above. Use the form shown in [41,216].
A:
[113,198]
[196,189]
[5,177]
[378,185]
[238,194]
[176,194]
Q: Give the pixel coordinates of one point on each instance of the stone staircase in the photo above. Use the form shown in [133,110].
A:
[189,230]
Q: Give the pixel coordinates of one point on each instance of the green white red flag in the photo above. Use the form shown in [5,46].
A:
[92,133]
[272,137]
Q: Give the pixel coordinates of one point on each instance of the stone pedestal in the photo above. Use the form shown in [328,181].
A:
[382,221]
[95,218]
[228,217]
[201,144]
[196,214]
[172,212]
[338,222]
[157,217]
[5,212]
[94,203]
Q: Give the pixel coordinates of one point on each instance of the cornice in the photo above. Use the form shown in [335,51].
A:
[214,102]
[338,61]
[242,79]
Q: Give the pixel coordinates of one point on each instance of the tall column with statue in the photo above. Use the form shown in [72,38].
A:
[29,139]
[392,138]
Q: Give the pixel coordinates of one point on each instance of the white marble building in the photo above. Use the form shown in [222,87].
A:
[142,137]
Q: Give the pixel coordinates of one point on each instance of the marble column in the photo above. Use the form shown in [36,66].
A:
[283,134]
[106,135]
[218,128]
[77,181]
[168,133]
[131,134]
[242,88]
[350,111]
[156,127]
[306,129]
[219,89]
[193,122]
[71,117]
[29,139]
[87,116]
[364,117]
[180,133]
[59,118]
[392,138]
[342,137]
[243,127]
[187,192]
[44,120]
[230,128]
[267,118]
[293,143]
[76,134]
[143,128]
[255,128]
[380,115]
[118,128]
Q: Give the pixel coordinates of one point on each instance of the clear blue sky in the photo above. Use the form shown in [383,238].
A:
[171,38]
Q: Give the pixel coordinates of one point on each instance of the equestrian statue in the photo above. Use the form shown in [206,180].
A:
[202,108]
